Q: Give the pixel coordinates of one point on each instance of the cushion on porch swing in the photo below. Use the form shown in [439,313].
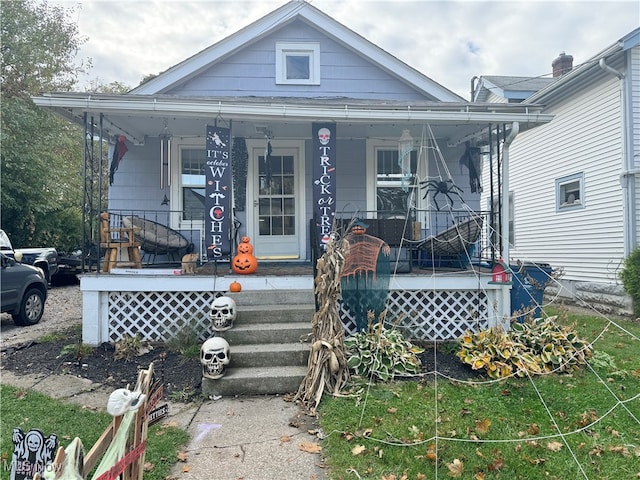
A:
[155,237]
[455,240]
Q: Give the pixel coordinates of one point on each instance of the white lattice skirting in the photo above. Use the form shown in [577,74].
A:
[433,314]
[159,316]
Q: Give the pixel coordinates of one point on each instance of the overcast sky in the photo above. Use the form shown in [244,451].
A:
[449,41]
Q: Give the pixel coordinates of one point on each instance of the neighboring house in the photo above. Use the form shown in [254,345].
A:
[575,181]
[325,116]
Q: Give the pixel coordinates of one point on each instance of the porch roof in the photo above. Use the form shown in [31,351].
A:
[140,116]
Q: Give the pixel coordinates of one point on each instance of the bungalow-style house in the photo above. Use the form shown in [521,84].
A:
[574,182]
[272,133]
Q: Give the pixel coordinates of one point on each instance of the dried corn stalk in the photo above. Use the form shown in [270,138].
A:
[327,367]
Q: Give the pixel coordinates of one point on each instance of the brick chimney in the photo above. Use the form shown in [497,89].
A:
[562,64]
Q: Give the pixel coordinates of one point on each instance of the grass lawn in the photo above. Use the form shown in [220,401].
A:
[27,410]
[584,425]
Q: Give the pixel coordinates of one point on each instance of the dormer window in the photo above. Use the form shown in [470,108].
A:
[298,63]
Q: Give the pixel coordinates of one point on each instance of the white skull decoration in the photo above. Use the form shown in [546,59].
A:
[223,313]
[214,357]
[123,400]
[324,135]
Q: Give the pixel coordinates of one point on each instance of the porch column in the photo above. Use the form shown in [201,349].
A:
[504,213]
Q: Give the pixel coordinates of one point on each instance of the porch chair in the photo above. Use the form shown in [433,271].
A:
[115,240]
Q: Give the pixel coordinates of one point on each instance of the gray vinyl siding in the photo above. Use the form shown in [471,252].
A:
[343,73]
[136,184]
[584,137]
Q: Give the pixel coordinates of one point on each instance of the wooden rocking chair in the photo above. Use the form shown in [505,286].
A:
[115,240]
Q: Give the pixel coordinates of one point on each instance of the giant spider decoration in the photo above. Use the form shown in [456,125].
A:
[446,187]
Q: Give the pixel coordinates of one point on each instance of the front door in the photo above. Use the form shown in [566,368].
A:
[275,200]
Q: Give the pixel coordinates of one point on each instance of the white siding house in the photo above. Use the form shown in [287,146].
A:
[575,181]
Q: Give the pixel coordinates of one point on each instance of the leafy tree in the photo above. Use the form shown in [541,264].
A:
[41,154]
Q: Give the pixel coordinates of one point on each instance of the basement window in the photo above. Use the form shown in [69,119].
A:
[570,192]
[298,63]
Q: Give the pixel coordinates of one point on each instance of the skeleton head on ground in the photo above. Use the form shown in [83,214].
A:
[223,313]
[214,357]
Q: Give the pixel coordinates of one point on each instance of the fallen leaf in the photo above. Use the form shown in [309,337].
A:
[186,469]
[496,465]
[482,426]
[456,468]
[310,447]
[182,456]
[392,410]
[431,453]
[479,476]
[533,429]
[285,438]
[421,476]
[148,466]
[358,449]
[554,446]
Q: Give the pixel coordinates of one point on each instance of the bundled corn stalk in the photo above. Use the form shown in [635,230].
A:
[327,367]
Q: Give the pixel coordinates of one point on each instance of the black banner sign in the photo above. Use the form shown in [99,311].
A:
[218,192]
[324,179]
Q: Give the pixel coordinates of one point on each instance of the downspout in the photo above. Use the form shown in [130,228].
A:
[628,172]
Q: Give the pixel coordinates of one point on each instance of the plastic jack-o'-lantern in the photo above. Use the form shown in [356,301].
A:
[235,287]
[359,227]
[245,246]
[244,262]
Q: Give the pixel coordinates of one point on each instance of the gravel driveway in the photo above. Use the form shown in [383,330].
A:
[62,310]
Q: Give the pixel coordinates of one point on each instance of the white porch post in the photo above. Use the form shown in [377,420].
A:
[505,303]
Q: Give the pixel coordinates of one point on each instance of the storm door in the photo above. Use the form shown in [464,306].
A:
[275,201]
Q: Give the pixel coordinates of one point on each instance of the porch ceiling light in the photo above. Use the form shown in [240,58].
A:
[165,156]
[405,147]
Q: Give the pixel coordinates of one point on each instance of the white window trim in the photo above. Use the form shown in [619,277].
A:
[176,183]
[563,182]
[373,145]
[310,49]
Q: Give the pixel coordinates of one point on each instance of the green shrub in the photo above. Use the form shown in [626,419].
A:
[630,276]
[382,353]
[532,347]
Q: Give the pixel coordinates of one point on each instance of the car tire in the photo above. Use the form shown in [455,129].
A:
[31,309]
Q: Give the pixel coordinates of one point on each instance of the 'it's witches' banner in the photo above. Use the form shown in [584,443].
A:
[324,179]
[218,213]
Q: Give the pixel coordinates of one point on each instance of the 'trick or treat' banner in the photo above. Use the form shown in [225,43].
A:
[218,192]
[324,179]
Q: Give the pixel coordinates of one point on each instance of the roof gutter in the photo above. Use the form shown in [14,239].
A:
[447,113]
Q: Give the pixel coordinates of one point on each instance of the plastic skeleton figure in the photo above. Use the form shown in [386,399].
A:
[446,187]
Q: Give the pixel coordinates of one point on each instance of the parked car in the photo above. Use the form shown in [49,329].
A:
[24,291]
[45,258]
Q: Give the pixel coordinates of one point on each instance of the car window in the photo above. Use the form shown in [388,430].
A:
[5,244]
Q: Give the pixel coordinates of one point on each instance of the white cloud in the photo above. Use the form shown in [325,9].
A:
[448,41]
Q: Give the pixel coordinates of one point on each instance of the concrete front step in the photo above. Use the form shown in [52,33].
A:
[255,381]
[272,297]
[260,333]
[275,313]
[271,354]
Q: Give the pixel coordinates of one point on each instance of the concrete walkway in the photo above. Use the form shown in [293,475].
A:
[243,438]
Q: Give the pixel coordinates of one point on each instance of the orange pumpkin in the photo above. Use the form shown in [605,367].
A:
[235,287]
[245,247]
[244,264]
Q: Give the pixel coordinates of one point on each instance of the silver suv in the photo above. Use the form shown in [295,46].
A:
[24,291]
